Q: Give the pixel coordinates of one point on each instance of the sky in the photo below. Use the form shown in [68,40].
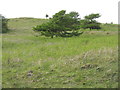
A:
[108,9]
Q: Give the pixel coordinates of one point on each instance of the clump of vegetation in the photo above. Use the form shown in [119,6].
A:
[61,24]
[46,16]
[90,22]
[4,26]
[67,25]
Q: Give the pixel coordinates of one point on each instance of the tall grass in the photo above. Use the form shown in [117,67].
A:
[87,61]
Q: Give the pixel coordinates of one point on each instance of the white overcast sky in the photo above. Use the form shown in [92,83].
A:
[39,8]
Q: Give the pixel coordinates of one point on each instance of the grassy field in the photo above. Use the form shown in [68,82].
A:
[87,61]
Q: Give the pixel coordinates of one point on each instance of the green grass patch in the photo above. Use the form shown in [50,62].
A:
[87,61]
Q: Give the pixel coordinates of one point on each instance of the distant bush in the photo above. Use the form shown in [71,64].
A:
[3,21]
[46,16]
[61,24]
[90,22]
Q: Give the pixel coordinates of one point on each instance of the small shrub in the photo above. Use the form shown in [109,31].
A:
[4,21]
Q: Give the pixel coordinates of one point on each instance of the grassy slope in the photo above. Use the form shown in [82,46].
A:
[89,60]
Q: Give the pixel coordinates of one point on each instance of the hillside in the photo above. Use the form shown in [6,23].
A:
[87,61]
[24,25]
